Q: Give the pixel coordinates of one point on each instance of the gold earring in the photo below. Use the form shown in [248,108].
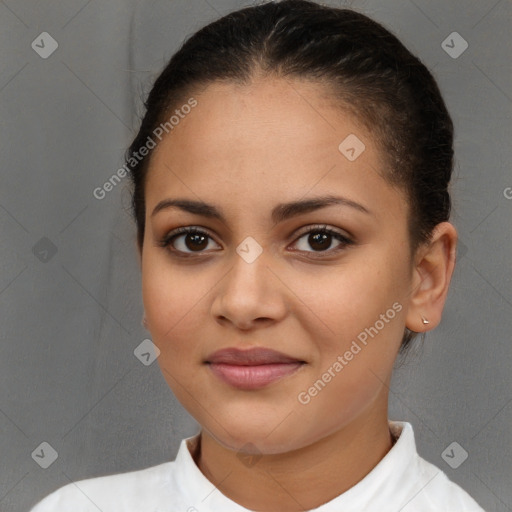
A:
[424,320]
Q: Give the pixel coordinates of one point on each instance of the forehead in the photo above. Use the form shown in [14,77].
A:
[267,116]
[272,140]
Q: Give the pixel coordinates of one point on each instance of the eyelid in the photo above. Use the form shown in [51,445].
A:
[323,227]
[175,233]
[345,241]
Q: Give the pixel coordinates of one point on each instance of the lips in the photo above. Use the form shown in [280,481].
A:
[250,357]
[251,368]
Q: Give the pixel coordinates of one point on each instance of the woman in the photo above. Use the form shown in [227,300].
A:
[291,199]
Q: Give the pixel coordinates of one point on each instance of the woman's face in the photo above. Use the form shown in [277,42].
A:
[255,277]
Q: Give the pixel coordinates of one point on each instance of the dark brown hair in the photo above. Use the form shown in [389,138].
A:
[368,70]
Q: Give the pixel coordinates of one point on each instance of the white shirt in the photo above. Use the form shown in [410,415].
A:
[401,481]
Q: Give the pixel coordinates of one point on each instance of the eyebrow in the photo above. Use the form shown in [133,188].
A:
[279,213]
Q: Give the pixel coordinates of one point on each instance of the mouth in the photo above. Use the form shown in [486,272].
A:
[252,368]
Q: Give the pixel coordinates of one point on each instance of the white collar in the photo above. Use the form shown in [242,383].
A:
[381,487]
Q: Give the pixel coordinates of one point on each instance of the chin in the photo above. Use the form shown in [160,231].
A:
[256,444]
[255,435]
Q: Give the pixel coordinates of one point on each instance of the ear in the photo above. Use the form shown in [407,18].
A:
[432,273]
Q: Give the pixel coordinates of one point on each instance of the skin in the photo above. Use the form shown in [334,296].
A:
[246,149]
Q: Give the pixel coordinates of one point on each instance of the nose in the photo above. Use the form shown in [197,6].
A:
[250,295]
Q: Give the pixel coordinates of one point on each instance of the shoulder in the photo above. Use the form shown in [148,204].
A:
[132,490]
[438,492]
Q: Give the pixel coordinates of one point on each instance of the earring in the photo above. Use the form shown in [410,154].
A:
[424,320]
[144,321]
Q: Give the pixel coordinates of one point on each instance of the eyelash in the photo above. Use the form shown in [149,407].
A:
[169,238]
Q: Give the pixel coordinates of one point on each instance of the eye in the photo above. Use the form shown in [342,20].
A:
[189,240]
[320,238]
[193,240]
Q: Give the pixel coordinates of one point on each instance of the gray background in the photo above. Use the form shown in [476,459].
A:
[71,320]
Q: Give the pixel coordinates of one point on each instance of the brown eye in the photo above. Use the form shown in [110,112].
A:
[320,239]
[187,240]
[195,241]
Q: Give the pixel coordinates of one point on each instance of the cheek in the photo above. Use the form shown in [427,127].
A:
[352,298]
[364,310]
[363,306]
[172,302]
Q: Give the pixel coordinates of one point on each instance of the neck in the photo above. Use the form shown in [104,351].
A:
[301,479]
